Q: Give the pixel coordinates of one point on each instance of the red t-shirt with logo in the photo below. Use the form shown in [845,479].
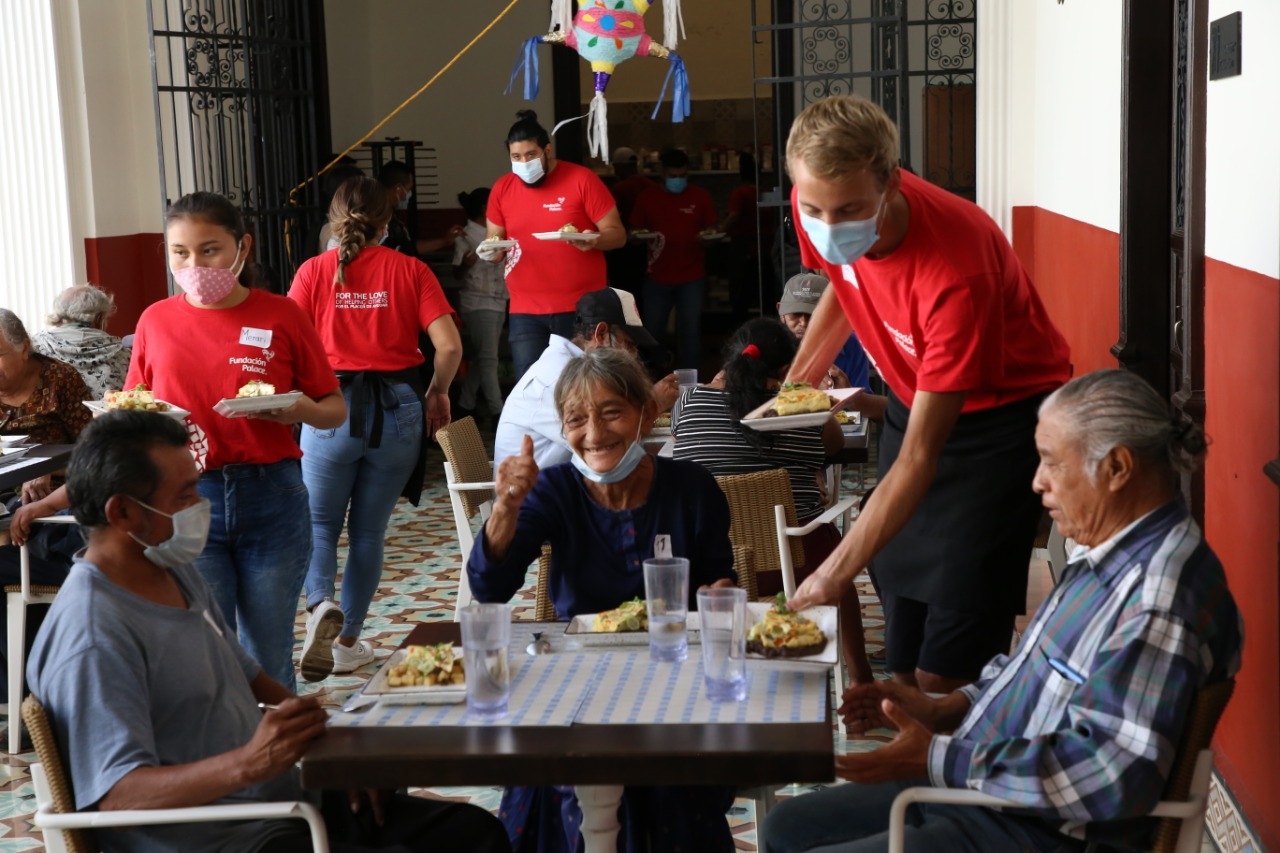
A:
[194,357]
[679,257]
[951,309]
[372,321]
[625,192]
[545,276]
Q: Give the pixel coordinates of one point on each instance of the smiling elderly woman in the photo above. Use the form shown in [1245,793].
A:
[600,513]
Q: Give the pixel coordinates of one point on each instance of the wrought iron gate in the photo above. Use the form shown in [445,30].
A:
[235,100]
[916,58]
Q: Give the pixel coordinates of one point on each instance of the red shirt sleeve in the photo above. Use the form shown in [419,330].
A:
[709,217]
[596,198]
[493,212]
[432,304]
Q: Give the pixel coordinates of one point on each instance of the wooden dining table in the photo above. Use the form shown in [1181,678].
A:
[597,759]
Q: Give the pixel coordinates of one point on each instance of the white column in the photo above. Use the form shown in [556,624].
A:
[37,250]
[994,99]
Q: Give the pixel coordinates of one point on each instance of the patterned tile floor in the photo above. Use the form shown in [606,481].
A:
[419,585]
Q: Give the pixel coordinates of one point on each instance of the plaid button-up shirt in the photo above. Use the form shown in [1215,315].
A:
[1081,724]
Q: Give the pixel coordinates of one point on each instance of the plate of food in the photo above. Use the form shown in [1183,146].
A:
[496,242]
[421,675]
[711,235]
[625,625]
[644,234]
[797,405]
[138,399]
[781,635]
[253,397]
[568,234]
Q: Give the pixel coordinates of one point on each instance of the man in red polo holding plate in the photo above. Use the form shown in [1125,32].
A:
[956,329]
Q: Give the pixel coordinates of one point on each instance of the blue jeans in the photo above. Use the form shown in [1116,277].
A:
[341,472]
[855,819]
[259,544]
[529,335]
[484,329]
[686,298]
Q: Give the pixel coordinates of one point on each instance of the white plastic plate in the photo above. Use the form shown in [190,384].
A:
[98,407]
[714,235]
[498,244]
[387,695]
[568,236]
[12,440]
[645,235]
[579,628]
[756,419]
[238,407]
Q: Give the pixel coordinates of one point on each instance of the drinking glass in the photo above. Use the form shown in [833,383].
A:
[686,377]
[722,625]
[666,591]
[486,636]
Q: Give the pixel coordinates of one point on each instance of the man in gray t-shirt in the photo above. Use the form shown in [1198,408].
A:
[152,698]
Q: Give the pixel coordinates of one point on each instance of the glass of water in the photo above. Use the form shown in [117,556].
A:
[486,636]
[722,627]
[666,591]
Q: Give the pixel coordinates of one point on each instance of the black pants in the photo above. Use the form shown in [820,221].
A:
[412,824]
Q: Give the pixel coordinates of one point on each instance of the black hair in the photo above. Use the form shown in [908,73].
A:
[394,173]
[113,457]
[220,211]
[746,377]
[673,158]
[475,202]
[527,127]
[747,167]
[336,177]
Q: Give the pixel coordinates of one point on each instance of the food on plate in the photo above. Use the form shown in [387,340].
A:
[570,228]
[842,417]
[254,388]
[798,398]
[138,398]
[492,238]
[663,420]
[783,633]
[427,666]
[628,616]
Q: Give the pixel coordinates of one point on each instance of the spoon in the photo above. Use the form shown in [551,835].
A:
[539,646]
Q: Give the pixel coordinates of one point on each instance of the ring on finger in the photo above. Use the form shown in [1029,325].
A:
[511,490]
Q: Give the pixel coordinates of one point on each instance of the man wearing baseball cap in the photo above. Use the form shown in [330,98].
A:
[605,318]
[800,296]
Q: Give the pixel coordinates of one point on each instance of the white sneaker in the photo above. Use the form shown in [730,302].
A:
[351,658]
[323,626]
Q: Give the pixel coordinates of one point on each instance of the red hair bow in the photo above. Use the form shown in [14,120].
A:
[751,351]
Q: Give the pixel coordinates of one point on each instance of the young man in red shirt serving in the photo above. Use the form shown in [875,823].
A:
[964,344]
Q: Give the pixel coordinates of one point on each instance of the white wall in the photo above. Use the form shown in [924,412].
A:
[1242,138]
[382,52]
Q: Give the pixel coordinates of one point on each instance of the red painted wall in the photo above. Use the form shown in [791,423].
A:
[1076,268]
[1242,522]
[131,268]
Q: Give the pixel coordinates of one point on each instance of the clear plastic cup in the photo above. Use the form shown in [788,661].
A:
[486,636]
[666,591]
[686,377]
[722,628]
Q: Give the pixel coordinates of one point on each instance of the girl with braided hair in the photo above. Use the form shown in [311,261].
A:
[369,304]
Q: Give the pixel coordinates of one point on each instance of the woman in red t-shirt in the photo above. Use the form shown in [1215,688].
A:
[204,345]
[369,304]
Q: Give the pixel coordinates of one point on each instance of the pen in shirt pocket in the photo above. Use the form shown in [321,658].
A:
[1063,668]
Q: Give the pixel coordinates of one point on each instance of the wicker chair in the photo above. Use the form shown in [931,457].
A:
[18,597]
[69,831]
[762,520]
[468,474]
[1186,792]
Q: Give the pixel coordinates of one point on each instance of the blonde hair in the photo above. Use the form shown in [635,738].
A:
[360,209]
[838,136]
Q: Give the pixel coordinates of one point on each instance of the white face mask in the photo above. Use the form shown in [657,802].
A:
[530,171]
[629,462]
[843,242]
[190,533]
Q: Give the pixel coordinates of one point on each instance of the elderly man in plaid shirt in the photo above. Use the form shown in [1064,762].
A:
[1079,725]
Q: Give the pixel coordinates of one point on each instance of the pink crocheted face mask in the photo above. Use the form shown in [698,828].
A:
[209,285]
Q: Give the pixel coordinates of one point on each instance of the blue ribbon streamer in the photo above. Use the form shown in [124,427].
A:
[528,63]
[679,91]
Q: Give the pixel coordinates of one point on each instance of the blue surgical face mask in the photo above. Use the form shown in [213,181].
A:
[190,533]
[530,171]
[630,460]
[676,185]
[844,242]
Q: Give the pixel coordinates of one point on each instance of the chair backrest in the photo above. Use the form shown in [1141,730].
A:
[64,801]
[465,453]
[752,526]
[744,566]
[1057,548]
[543,609]
[1206,709]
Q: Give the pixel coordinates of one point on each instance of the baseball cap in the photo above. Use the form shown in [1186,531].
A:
[617,308]
[623,155]
[801,293]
